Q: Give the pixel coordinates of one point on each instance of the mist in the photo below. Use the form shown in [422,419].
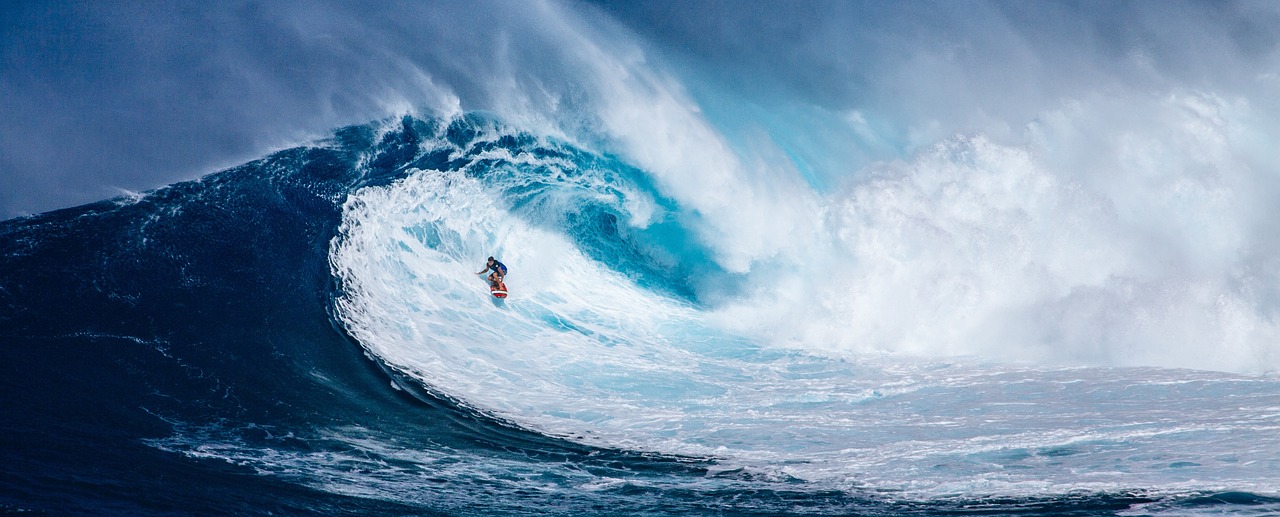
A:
[97,98]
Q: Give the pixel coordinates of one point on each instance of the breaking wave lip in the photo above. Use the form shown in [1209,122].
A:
[583,350]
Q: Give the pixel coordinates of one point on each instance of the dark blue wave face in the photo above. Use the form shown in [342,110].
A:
[203,305]
[176,354]
[202,302]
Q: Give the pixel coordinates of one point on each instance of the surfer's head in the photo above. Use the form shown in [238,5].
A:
[491,260]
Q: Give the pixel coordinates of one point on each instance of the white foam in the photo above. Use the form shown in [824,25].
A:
[1134,239]
[580,352]
[1104,223]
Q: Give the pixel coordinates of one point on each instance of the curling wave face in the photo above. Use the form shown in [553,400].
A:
[617,333]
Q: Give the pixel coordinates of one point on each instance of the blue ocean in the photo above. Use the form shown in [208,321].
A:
[764,258]
[305,333]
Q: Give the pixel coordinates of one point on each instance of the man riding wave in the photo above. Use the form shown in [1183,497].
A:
[499,270]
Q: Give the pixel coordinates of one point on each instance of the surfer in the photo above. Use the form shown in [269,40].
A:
[499,271]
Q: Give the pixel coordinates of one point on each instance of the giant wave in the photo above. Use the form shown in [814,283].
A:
[648,360]
[589,350]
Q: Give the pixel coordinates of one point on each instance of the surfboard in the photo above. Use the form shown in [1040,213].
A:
[498,291]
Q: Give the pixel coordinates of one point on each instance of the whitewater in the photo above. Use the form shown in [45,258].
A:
[825,259]
[608,341]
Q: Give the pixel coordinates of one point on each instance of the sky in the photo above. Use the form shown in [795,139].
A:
[103,98]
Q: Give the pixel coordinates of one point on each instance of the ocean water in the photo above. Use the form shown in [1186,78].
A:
[962,331]
[766,258]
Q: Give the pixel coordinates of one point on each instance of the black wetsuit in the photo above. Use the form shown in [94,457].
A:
[498,267]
